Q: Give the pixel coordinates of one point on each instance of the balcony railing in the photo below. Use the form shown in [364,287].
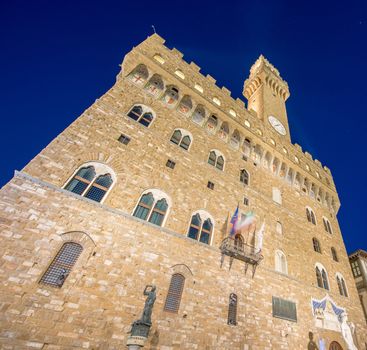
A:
[236,249]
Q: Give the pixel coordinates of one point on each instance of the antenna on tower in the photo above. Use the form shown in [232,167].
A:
[154,29]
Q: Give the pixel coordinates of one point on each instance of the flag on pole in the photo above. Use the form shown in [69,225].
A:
[245,222]
[260,236]
[234,221]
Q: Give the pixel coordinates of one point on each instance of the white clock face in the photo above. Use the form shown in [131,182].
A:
[277,125]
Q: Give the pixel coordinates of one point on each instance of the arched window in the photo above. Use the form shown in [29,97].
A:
[310,216]
[171,95]
[185,105]
[62,264]
[212,123]
[334,255]
[281,262]
[232,310]
[141,114]
[181,138]
[173,299]
[321,276]
[152,207]
[235,139]
[238,242]
[139,75]
[244,177]
[199,114]
[216,159]
[316,245]
[257,154]
[279,227]
[155,85]
[246,147]
[341,285]
[290,175]
[201,228]
[91,181]
[327,225]
[224,131]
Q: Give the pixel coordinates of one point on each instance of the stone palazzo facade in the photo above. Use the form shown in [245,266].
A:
[140,190]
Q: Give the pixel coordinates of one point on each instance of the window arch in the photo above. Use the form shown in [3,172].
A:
[279,227]
[212,123]
[93,180]
[232,310]
[152,206]
[321,276]
[224,131]
[139,75]
[334,254]
[155,85]
[199,114]
[181,138]
[341,285]
[216,159]
[327,225]
[244,176]
[316,245]
[235,139]
[141,114]
[201,227]
[174,294]
[185,105]
[171,95]
[281,262]
[310,216]
[62,264]
[246,147]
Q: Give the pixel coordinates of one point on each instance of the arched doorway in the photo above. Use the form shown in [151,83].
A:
[335,346]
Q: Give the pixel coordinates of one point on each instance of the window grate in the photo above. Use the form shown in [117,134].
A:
[232,310]
[62,264]
[174,294]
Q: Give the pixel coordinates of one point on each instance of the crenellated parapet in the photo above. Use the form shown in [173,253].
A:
[234,123]
[263,72]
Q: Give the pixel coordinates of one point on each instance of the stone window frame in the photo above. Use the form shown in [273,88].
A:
[183,134]
[100,169]
[327,225]
[217,155]
[342,286]
[204,215]
[323,272]
[88,249]
[280,260]
[310,215]
[316,245]
[146,110]
[157,195]
[140,67]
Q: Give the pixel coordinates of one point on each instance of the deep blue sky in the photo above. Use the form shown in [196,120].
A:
[57,57]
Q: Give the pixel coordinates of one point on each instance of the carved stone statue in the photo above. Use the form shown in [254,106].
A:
[311,344]
[347,331]
[150,292]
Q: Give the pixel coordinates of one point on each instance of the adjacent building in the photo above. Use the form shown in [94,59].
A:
[358,263]
[143,189]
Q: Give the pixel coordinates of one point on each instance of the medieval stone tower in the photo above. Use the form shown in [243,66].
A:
[140,190]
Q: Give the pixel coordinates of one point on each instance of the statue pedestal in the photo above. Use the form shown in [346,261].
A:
[138,336]
[135,342]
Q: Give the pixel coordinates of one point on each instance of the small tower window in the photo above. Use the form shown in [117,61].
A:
[334,255]
[244,177]
[316,245]
[310,216]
